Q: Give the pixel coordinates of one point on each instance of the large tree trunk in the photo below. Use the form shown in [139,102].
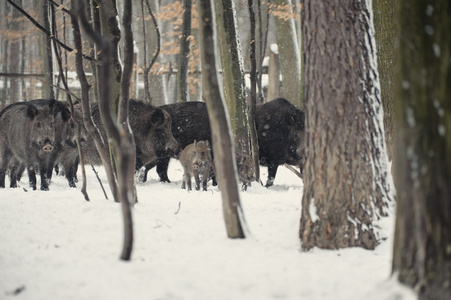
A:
[222,143]
[422,250]
[347,180]
[385,25]
[290,63]
[233,74]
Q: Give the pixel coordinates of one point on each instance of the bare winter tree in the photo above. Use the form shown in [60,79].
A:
[222,143]
[346,181]
[118,130]
[422,249]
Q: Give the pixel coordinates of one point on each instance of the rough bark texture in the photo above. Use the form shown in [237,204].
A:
[233,74]
[385,26]
[422,250]
[346,173]
[290,64]
[222,143]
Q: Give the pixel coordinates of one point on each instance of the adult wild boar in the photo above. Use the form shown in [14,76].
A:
[189,123]
[27,137]
[152,131]
[66,158]
[280,131]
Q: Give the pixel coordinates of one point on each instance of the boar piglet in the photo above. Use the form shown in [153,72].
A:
[27,137]
[246,170]
[197,162]
[189,123]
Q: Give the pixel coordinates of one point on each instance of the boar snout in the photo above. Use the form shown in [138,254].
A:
[47,146]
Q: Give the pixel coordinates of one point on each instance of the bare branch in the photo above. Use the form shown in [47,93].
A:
[35,23]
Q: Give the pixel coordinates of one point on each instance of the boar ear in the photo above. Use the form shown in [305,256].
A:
[32,111]
[54,108]
[65,114]
[157,117]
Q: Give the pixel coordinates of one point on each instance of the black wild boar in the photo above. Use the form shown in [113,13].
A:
[67,157]
[280,131]
[27,137]
[189,123]
[197,162]
[151,127]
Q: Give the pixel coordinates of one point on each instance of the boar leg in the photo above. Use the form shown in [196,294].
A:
[31,177]
[272,170]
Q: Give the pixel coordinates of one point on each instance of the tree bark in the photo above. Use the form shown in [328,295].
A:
[422,249]
[222,143]
[233,75]
[347,180]
[124,138]
[385,25]
[253,100]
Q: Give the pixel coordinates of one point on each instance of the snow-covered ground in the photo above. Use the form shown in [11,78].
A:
[55,245]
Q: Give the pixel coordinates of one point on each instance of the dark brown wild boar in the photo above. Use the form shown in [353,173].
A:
[27,137]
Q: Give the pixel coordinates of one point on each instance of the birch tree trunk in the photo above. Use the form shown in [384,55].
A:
[222,143]
[422,249]
[347,181]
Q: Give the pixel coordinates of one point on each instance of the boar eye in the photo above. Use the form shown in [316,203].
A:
[38,125]
[51,125]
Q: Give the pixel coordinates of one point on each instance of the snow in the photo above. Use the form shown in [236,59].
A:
[56,245]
